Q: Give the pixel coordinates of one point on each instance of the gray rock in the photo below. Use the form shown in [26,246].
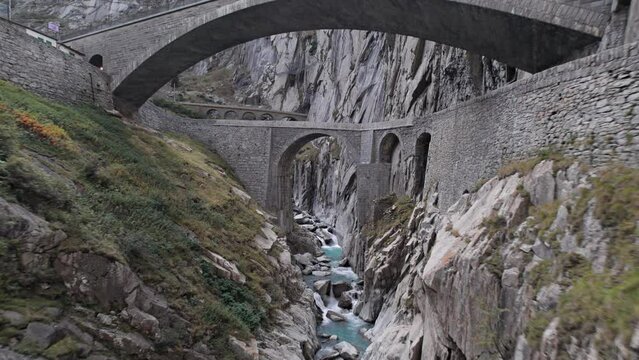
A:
[542,250]
[307,271]
[345,302]
[347,351]
[305,259]
[335,316]
[14,318]
[323,259]
[540,184]
[322,287]
[326,354]
[548,297]
[144,322]
[510,278]
[340,287]
[243,350]
[634,342]
[42,335]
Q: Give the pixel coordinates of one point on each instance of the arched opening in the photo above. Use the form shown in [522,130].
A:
[266,117]
[97,61]
[213,114]
[390,152]
[230,115]
[248,116]
[421,161]
[387,147]
[302,152]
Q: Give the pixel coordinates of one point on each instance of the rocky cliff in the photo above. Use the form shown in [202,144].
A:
[539,263]
[118,242]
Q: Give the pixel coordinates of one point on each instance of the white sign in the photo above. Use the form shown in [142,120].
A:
[54,26]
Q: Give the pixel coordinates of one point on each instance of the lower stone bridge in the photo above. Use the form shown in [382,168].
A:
[215,111]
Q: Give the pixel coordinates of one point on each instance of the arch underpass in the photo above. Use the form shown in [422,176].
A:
[143,55]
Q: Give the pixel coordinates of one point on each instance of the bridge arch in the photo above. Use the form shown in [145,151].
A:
[282,174]
[97,60]
[528,35]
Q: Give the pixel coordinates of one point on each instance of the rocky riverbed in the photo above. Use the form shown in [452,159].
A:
[337,290]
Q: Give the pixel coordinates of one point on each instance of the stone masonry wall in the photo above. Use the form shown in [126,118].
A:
[47,71]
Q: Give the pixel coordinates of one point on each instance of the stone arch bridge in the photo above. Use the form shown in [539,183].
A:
[261,153]
[214,111]
[143,55]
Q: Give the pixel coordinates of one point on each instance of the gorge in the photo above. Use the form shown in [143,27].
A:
[433,203]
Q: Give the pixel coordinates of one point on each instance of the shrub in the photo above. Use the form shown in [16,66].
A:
[177,108]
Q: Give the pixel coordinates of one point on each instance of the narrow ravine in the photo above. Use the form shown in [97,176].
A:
[337,291]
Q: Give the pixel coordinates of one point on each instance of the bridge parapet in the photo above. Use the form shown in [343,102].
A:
[214,111]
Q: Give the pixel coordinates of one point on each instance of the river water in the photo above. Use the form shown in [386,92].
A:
[352,328]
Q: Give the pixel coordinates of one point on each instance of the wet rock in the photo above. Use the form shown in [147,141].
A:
[322,287]
[340,287]
[357,308]
[347,351]
[309,227]
[323,259]
[301,219]
[307,271]
[321,273]
[344,263]
[325,268]
[243,350]
[326,354]
[345,302]
[335,316]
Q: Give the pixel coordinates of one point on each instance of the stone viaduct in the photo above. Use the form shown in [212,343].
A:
[143,55]
[450,150]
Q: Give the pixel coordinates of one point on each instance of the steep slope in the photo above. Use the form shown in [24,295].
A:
[539,263]
[127,243]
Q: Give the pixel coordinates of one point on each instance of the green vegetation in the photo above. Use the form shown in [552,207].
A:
[67,347]
[524,167]
[394,212]
[308,152]
[178,109]
[153,203]
[607,300]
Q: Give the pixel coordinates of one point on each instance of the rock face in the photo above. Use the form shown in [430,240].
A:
[484,245]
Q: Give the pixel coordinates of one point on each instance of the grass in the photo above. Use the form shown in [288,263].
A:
[178,109]
[396,211]
[606,302]
[526,166]
[133,197]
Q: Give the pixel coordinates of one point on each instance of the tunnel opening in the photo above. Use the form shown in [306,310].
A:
[97,61]
[422,147]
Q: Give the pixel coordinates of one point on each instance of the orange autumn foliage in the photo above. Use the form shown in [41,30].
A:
[49,132]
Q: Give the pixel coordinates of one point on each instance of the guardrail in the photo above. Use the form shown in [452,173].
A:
[213,111]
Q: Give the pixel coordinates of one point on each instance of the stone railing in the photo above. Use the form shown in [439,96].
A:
[213,111]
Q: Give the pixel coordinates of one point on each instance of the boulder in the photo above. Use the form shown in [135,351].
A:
[307,271]
[345,302]
[305,259]
[335,316]
[346,350]
[340,287]
[634,342]
[309,227]
[144,322]
[243,350]
[326,354]
[323,259]
[223,267]
[322,287]
[302,219]
[246,198]
[41,335]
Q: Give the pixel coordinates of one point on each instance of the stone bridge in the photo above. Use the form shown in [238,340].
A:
[214,111]
[143,55]
[448,151]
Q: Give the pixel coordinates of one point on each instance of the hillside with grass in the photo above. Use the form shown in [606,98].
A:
[120,241]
